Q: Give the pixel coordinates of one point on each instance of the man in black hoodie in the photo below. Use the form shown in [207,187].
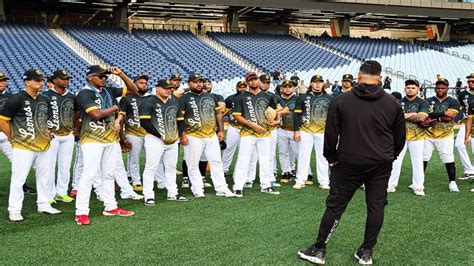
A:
[365,132]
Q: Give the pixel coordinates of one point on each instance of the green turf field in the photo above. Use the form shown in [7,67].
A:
[257,229]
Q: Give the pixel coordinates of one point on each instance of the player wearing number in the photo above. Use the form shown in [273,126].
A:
[201,114]
[162,120]
[24,120]
[134,132]
[466,99]
[416,112]
[97,105]
[440,135]
[60,123]
[311,114]
[249,111]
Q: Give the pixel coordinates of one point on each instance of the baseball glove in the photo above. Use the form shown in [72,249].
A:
[125,146]
[270,114]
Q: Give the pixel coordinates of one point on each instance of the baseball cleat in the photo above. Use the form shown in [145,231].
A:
[63,198]
[313,254]
[82,220]
[118,212]
[364,256]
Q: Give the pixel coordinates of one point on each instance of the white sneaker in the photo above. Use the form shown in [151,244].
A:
[411,187]
[472,190]
[179,172]
[199,195]
[453,187]
[134,196]
[275,184]
[325,187]
[206,184]
[391,189]
[226,193]
[15,217]
[299,186]
[419,192]
[49,210]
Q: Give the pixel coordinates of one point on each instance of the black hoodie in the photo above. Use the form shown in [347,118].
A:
[365,126]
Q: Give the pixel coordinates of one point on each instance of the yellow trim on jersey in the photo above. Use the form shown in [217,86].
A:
[454,110]
[471,116]
[298,111]
[180,118]
[5,118]
[145,117]
[124,91]
[423,113]
[91,108]
[122,112]
[236,113]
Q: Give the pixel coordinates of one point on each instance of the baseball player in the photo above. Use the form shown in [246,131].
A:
[416,112]
[311,113]
[470,112]
[287,146]
[134,133]
[466,99]
[60,123]
[440,135]
[249,111]
[24,120]
[98,139]
[201,114]
[161,118]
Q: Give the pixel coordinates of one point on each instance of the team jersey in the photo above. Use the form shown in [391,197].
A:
[61,114]
[28,121]
[314,110]
[466,99]
[229,104]
[218,97]
[103,130]
[199,112]
[418,105]
[129,107]
[280,104]
[287,120]
[4,98]
[442,130]
[163,117]
[252,107]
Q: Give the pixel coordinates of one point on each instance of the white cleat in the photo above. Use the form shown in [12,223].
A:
[15,217]
[453,187]
[325,187]
[226,193]
[49,210]
[419,192]
[199,195]
[391,189]
[134,196]
[299,186]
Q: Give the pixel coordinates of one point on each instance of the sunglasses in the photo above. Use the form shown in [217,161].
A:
[102,76]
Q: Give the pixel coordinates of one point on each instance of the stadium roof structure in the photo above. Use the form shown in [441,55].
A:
[409,14]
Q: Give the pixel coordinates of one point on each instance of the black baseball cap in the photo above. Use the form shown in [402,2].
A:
[33,74]
[412,82]
[60,74]
[317,78]
[240,83]
[250,76]
[265,78]
[142,76]
[195,77]
[205,80]
[96,70]
[442,81]
[470,76]
[347,77]
[164,83]
[3,76]
[287,83]
[176,77]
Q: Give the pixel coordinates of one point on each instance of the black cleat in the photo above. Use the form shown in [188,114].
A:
[364,256]
[313,254]
[28,190]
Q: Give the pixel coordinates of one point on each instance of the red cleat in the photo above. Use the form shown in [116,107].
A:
[83,220]
[73,193]
[118,212]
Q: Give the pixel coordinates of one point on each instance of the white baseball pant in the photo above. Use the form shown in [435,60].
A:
[78,166]
[287,150]
[97,157]
[252,172]
[61,152]
[157,152]
[133,158]
[444,146]
[5,146]
[261,147]
[416,155]
[306,144]
[273,147]
[192,154]
[22,161]
[232,140]
[463,155]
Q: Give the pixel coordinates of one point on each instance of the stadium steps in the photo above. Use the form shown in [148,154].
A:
[229,54]
[83,52]
[446,50]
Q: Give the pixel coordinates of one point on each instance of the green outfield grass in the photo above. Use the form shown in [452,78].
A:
[257,229]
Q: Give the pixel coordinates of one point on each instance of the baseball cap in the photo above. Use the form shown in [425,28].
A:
[60,74]
[347,77]
[287,83]
[164,83]
[265,78]
[240,83]
[33,74]
[195,77]
[442,81]
[206,80]
[142,76]
[471,76]
[96,70]
[317,78]
[3,76]
[250,76]
[175,77]
[412,82]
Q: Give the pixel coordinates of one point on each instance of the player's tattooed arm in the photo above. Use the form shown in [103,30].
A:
[416,118]
[467,138]
[241,120]
[284,111]
[220,124]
